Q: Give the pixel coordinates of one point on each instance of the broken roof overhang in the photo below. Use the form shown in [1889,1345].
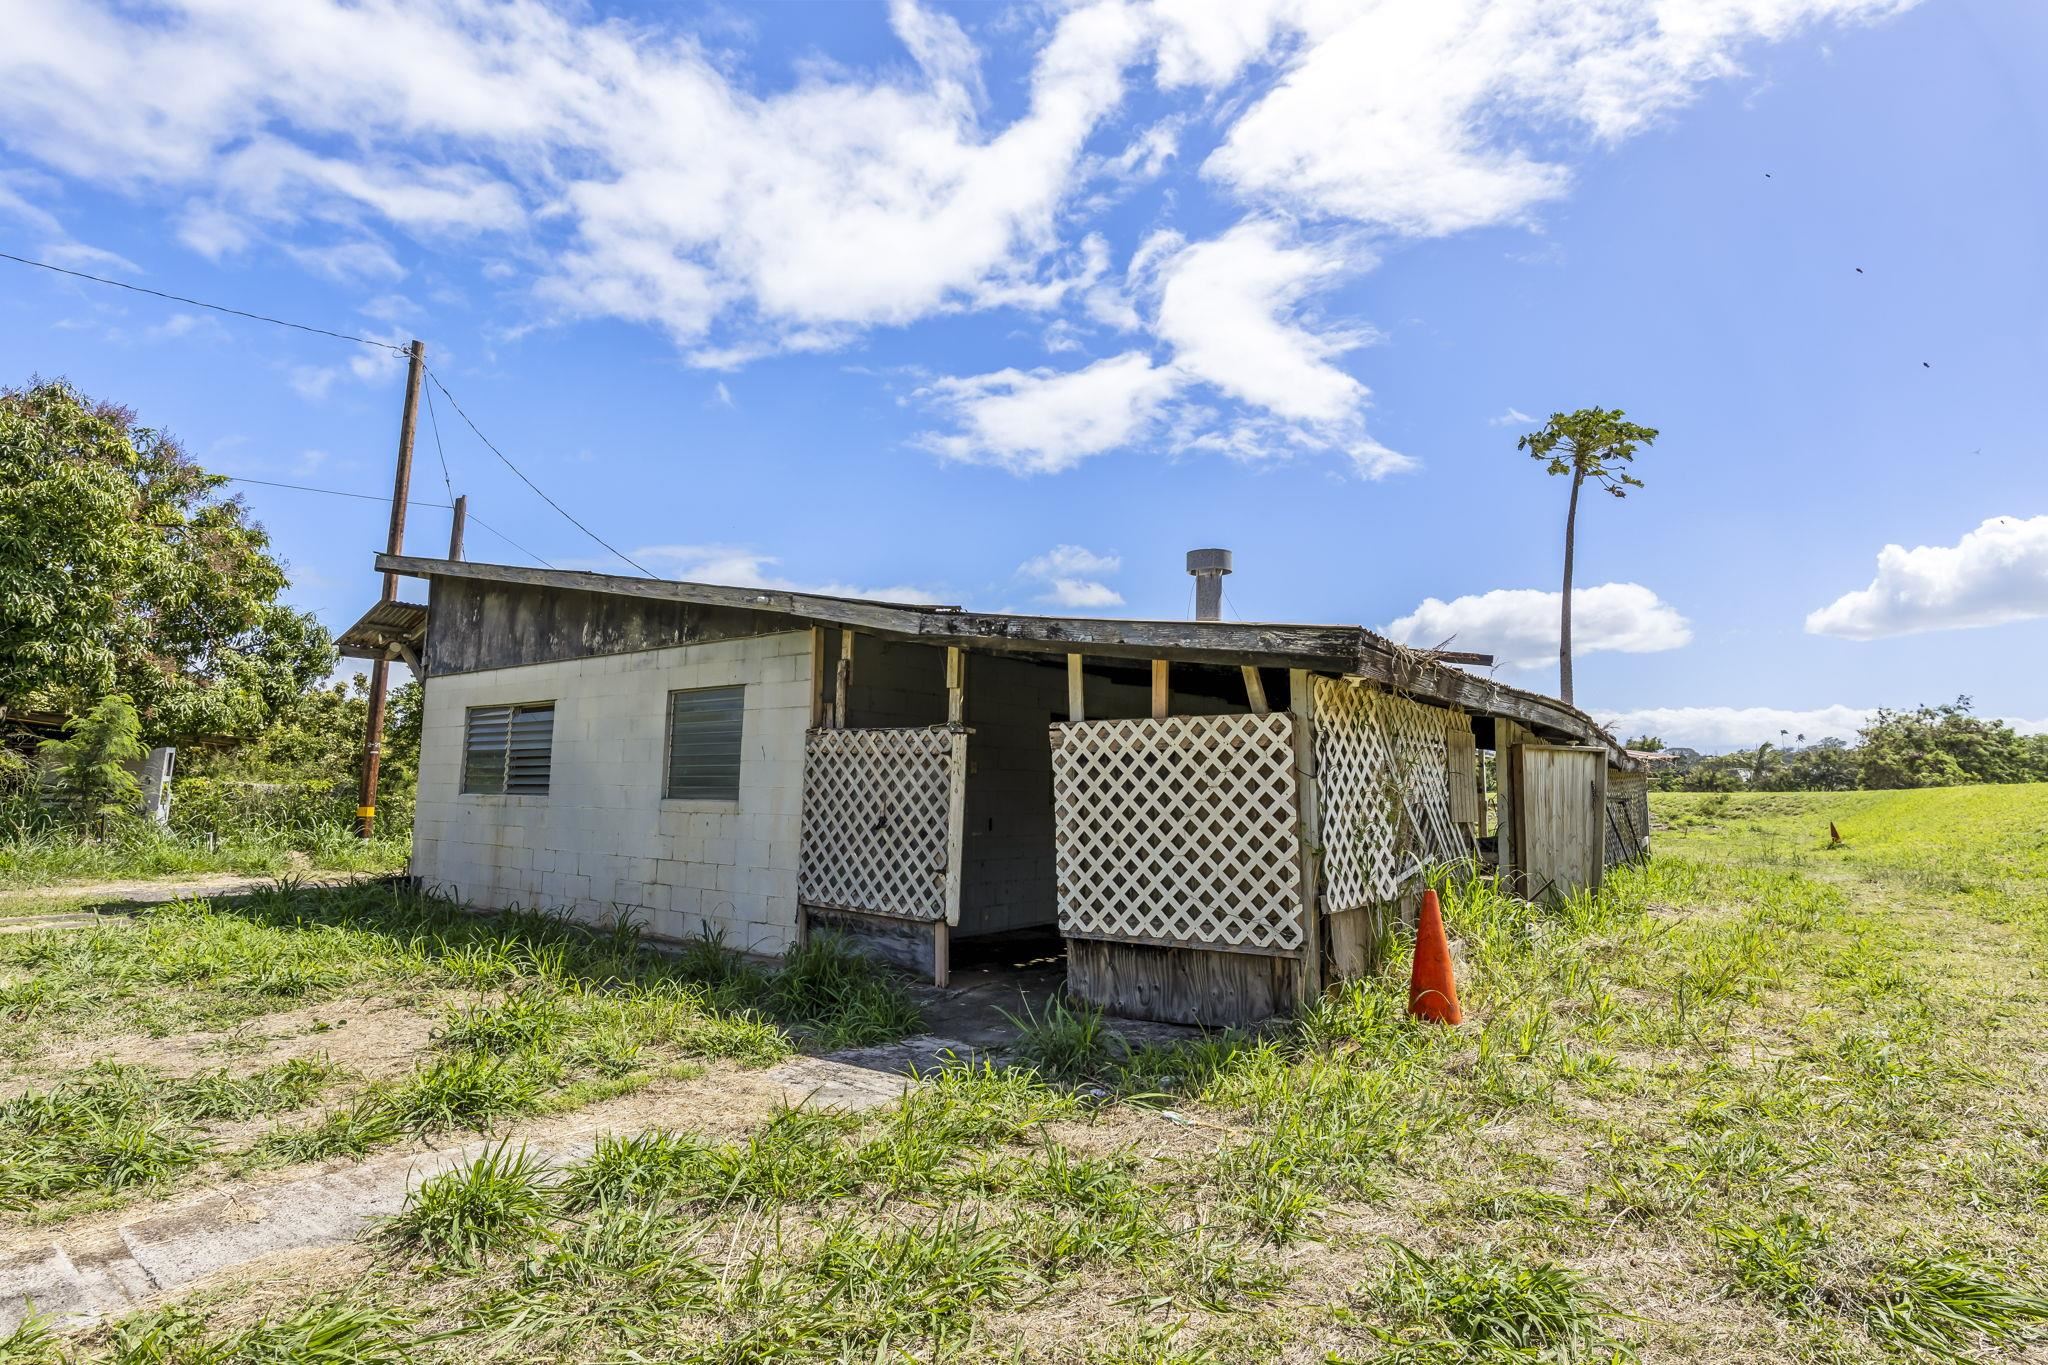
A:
[1347,650]
[385,629]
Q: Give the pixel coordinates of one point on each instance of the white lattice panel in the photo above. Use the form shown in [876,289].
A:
[876,820]
[1383,783]
[1180,831]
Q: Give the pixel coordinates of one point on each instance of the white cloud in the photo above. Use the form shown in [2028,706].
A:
[349,261]
[1718,728]
[1040,421]
[390,308]
[1227,307]
[1513,417]
[1072,576]
[1994,574]
[179,326]
[739,567]
[81,256]
[661,189]
[684,196]
[1412,117]
[1518,626]
[1230,309]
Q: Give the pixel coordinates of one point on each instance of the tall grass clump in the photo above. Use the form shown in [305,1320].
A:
[645,1169]
[1064,1041]
[839,996]
[1948,1306]
[328,1332]
[1482,1306]
[500,1199]
[106,1132]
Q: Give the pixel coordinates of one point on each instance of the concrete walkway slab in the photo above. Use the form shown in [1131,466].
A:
[153,1255]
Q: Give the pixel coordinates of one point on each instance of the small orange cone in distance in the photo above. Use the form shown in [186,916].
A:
[1432,995]
[1834,835]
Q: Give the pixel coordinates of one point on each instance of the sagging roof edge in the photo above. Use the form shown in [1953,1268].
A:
[1348,650]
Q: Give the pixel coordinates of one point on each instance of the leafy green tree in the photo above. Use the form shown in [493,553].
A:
[89,784]
[1596,444]
[123,570]
[1828,766]
[318,738]
[1942,746]
[1645,744]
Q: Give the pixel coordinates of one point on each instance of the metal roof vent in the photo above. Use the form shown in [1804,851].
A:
[1208,567]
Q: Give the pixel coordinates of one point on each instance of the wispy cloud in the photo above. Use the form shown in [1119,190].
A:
[1071,576]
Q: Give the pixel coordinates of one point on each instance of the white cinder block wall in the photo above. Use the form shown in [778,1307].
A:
[603,839]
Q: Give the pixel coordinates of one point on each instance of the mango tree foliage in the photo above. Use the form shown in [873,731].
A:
[123,570]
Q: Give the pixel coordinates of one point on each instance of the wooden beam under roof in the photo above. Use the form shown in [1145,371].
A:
[1350,650]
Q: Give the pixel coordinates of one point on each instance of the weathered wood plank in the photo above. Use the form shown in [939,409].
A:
[842,682]
[1560,819]
[1162,691]
[910,944]
[1254,690]
[1077,690]
[1301,701]
[817,677]
[1181,985]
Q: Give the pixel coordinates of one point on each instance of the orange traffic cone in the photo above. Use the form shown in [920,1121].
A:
[1432,995]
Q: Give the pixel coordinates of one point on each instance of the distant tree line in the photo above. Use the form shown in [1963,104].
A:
[1929,746]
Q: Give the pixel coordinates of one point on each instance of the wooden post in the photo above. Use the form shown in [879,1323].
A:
[956,856]
[1255,690]
[1301,702]
[956,685]
[380,670]
[817,677]
[1160,692]
[458,521]
[844,681]
[1077,692]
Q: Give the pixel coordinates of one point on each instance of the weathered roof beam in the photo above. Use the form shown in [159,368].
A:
[1423,674]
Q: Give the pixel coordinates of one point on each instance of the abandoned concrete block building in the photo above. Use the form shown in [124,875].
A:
[1211,820]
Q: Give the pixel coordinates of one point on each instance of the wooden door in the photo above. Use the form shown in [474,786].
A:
[1559,811]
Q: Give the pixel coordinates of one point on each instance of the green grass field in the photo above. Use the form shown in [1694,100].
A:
[1761,1100]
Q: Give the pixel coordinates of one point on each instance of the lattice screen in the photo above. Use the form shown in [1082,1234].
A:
[1180,831]
[1628,816]
[876,820]
[1383,782]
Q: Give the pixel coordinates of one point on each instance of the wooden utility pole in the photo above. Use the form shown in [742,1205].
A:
[380,669]
[458,521]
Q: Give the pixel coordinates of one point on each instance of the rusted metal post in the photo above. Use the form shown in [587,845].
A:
[380,670]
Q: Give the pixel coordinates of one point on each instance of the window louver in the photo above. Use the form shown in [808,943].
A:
[704,744]
[509,749]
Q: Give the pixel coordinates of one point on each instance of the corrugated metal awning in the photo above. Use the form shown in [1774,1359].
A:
[386,626]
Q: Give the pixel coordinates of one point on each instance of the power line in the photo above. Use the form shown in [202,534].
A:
[435,422]
[201,303]
[410,502]
[385,345]
[330,492]
[506,460]
[473,517]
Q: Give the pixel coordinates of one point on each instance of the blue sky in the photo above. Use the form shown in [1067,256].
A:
[1010,306]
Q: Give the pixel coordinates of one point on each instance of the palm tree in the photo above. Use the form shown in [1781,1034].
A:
[1592,443]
